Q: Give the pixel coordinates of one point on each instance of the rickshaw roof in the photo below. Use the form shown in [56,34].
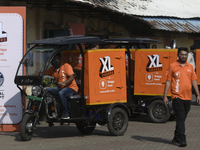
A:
[67,40]
[130,40]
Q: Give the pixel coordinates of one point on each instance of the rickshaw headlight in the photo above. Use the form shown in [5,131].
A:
[36,90]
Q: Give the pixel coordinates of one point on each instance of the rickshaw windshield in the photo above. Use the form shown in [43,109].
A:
[34,59]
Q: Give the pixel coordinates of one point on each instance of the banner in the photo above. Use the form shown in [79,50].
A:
[12,47]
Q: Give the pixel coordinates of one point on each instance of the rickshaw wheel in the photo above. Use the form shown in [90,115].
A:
[26,131]
[158,112]
[85,128]
[118,122]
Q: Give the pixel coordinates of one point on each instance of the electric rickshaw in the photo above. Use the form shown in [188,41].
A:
[146,70]
[99,73]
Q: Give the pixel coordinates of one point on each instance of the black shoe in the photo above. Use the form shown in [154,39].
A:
[183,143]
[183,140]
[176,140]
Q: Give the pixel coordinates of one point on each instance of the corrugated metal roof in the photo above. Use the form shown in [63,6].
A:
[172,15]
[172,24]
[170,8]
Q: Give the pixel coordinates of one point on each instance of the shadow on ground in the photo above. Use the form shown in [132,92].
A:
[153,139]
[46,132]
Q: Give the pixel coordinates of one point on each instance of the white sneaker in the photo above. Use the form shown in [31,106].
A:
[97,125]
[65,117]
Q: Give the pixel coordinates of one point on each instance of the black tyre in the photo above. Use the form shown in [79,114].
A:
[85,128]
[118,122]
[158,112]
[26,131]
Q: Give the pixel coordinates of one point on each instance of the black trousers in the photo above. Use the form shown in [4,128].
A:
[181,108]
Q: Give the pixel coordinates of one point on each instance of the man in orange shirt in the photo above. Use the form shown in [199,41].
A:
[181,77]
[64,76]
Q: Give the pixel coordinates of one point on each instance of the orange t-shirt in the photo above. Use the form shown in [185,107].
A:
[62,75]
[181,80]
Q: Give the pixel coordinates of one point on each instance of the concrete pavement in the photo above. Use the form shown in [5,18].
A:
[141,134]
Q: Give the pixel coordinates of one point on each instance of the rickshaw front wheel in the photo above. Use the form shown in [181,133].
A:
[118,122]
[26,130]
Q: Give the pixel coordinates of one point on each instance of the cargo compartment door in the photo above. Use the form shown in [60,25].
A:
[107,77]
[151,70]
[108,74]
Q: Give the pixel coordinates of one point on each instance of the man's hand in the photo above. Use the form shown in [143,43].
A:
[67,82]
[198,100]
[60,84]
[167,85]
[165,100]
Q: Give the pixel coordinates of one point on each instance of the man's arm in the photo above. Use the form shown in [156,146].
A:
[195,86]
[167,85]
[68,81]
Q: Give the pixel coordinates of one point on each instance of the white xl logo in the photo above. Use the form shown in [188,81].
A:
[106,64]
[154,61]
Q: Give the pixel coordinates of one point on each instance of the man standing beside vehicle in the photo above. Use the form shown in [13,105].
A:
[192,56]
[64,76]
[182,77]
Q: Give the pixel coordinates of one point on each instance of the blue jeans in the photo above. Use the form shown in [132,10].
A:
[62,93]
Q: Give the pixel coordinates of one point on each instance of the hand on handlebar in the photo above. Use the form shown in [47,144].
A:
[61,84]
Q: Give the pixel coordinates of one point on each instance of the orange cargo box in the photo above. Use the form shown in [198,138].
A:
[151,67]
[105,76]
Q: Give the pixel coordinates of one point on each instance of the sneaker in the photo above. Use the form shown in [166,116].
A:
[176,140]
[65,115]
[183,143]
[97,125]
[182,140]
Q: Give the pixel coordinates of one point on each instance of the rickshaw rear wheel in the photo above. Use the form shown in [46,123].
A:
[26,131]
[158,112]
[118,122]
[85,128]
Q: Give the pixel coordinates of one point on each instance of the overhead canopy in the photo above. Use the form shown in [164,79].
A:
[132,40]
[67,40]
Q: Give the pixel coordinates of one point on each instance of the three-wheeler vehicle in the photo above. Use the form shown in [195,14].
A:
[99,73]
[146,71]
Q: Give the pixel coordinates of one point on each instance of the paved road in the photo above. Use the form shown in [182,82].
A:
[141,135]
